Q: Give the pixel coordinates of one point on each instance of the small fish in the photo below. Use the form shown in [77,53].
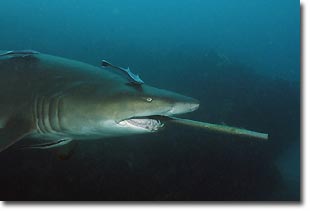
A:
[133,78]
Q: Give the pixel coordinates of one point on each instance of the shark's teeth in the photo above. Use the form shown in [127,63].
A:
[148,124]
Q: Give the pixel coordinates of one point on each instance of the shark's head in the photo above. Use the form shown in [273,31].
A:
[104,111]
[137,107]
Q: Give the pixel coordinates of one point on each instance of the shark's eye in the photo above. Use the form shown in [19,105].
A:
[149,99]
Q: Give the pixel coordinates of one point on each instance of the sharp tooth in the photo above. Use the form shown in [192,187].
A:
[122,123]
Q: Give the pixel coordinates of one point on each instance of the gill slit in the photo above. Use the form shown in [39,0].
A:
[46,113]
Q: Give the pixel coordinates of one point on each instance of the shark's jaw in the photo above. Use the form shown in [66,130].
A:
[154,122]
[148,123]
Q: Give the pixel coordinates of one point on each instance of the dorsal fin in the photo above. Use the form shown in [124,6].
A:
[17,54]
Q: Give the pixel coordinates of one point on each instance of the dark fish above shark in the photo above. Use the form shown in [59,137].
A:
[57,100]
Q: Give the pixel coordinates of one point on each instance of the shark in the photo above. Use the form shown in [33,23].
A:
[58,101]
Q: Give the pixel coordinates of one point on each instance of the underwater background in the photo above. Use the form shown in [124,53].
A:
[240,58]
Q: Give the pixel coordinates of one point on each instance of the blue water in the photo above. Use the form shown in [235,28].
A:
[240,58]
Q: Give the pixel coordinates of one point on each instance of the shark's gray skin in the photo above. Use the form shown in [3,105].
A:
[56,100]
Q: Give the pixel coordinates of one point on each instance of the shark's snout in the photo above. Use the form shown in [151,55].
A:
[194,106]
[189,105]
[152,123]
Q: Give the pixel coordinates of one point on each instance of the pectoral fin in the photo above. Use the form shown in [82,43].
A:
[64,148]
[50,145]
[14,130]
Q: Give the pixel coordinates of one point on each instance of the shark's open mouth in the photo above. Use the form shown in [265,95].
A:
[149,123]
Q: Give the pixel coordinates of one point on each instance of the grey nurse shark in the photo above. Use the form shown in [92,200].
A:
[57,100]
